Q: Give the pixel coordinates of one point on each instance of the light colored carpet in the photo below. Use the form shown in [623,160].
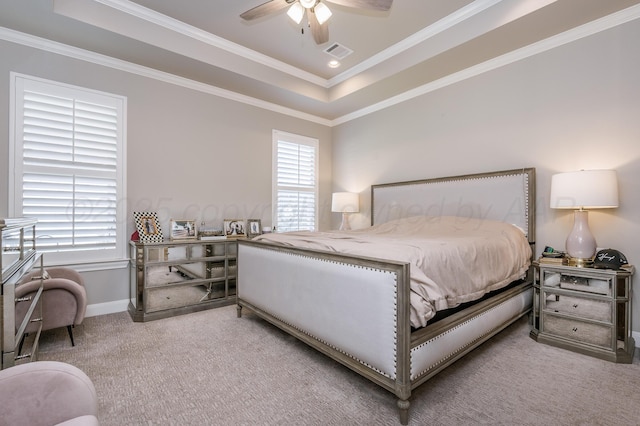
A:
[211,368]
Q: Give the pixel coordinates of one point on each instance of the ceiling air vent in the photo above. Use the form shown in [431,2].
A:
[338,51]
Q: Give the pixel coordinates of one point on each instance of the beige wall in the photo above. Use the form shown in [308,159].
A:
[191,155]
[574,107]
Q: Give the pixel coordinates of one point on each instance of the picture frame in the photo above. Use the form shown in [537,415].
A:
[254,228]
[235,228]
[182,229]
[148,227]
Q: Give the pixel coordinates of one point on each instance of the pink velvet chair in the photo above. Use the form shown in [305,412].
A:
[64,300]
[45,393]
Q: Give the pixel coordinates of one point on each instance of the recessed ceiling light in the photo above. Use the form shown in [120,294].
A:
[333,63]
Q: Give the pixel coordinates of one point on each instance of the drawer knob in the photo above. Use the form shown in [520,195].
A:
[575,329]
[575,305]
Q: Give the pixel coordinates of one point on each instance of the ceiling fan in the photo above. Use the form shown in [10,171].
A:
[317,12]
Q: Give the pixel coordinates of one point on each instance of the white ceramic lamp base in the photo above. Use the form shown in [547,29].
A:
[344,226]
[580,244]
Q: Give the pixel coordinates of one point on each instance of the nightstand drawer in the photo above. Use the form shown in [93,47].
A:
[594,334]
[578,306]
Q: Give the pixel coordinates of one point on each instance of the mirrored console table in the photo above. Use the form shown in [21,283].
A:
[19,256]
[180,276]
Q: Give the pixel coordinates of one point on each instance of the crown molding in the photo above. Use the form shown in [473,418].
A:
[432,30]
[50,46]
[586,30]
[195,33]
[602,24]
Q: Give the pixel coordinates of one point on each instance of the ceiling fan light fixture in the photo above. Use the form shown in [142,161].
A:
[296,12]
[308,4]
[322,13]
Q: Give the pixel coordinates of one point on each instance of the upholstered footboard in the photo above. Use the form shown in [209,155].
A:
[355,310]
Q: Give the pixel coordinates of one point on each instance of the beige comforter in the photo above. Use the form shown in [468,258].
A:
[453,260]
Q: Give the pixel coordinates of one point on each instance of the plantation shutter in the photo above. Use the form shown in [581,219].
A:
[296,183]
[68,145]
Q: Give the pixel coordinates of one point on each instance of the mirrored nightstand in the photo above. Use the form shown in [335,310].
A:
[585,310]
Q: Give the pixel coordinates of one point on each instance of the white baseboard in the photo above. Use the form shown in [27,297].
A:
[107,308]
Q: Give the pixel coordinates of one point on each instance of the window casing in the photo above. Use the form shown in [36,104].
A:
[67,160]
[295,182]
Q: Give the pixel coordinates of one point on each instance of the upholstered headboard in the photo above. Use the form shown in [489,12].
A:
[508,196]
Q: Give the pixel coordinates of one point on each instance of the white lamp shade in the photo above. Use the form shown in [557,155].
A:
[589,189]
[345,202]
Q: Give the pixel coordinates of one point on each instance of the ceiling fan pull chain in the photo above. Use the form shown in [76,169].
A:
[302,40]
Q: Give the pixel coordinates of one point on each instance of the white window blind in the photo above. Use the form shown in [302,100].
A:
[69,168]
[295,182]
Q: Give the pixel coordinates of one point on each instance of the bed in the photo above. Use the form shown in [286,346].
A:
[359,306]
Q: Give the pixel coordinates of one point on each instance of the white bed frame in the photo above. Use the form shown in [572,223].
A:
[356,309]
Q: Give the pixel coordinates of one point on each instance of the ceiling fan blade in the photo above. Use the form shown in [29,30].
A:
[320,32]
[383,5]
[265,9]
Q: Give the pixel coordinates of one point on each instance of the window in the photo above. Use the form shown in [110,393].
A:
[295,180]
[67,164]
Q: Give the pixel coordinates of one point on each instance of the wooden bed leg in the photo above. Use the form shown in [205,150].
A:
[403,405]
[239,311]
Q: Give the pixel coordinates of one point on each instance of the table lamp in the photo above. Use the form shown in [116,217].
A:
[585,189]
[345,203]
